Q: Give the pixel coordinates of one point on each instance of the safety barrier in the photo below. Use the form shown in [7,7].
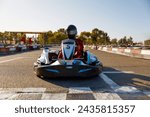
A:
[12,49]
[121,50]
[4,51]
[127,51]
[109,49]
[9,50]
[133,52]
[145,54]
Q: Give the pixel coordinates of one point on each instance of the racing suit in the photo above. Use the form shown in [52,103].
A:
[78,50]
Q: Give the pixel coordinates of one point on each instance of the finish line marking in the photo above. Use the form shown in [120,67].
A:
[40,93]
[80,90]
[10,60]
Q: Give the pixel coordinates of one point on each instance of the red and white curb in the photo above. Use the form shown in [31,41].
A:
[133,52]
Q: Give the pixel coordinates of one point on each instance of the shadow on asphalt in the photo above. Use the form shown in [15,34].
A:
[93,82]
[141,82]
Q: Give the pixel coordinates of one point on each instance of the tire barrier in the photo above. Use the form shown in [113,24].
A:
[23,48]
[4,51]
[12,49]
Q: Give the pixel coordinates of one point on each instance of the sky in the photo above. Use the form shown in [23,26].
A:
[118,18]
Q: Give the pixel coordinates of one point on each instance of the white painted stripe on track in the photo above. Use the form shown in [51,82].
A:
[34,90]
[107,96]
[54,96]
[25,96]
[147,93]
[13,96]
[10,90]
[116,87]
[116,72]
[107,80]
[22,90]
[28,57]
[80,90]
[126,89]
[10,60]
[4,96]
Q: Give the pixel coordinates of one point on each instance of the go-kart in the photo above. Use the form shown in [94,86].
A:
[49,65]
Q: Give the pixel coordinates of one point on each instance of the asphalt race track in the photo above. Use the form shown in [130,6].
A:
[123,78]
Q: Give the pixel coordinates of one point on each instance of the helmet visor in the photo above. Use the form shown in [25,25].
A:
[72,32]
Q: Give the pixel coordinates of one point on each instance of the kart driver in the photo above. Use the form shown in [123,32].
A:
[72,32]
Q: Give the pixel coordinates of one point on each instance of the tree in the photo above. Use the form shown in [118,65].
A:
[1,37]
[59,36]
[41,39]
[114,42]
[130,41]
[14,36]
[125,41]
[49,34]
[19,36]
[99,37]
[106,38]
[44,38]
[5,37]
[95,37]
[10,38]
[52,37]
[85,37]
[62,30]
